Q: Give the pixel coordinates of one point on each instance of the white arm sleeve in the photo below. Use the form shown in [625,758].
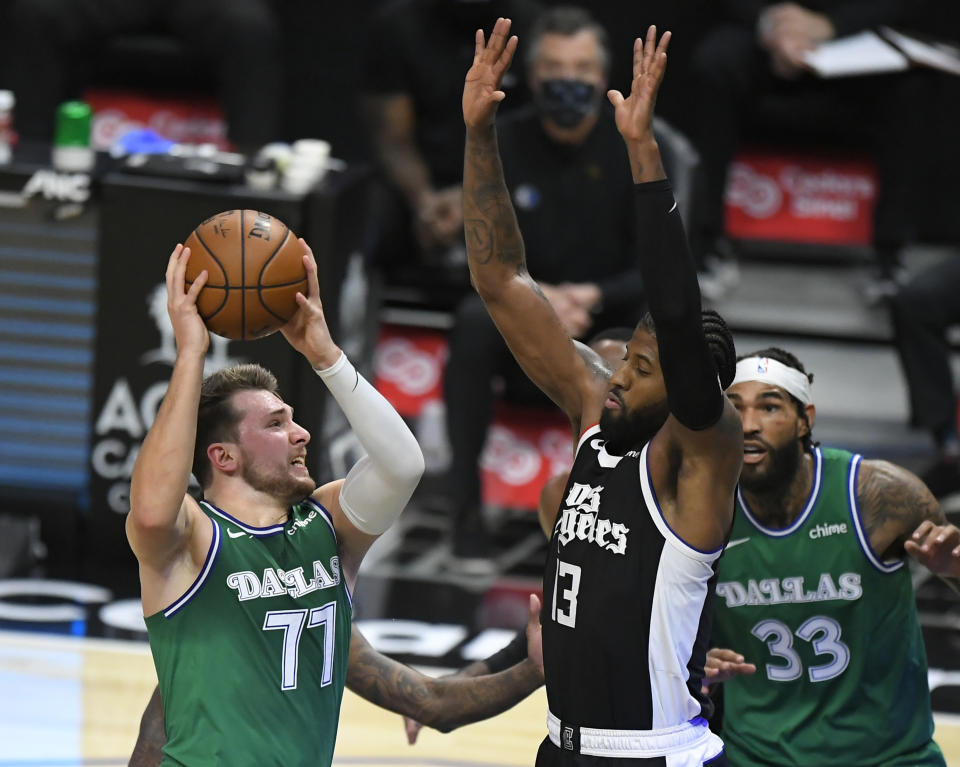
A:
[379,485]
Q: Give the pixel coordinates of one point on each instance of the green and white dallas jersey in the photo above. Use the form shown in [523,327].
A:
[252,659]
[841,674]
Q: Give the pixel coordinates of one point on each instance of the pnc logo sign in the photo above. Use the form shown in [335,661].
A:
[131,405]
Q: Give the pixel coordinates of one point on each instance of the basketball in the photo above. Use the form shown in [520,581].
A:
[255,268]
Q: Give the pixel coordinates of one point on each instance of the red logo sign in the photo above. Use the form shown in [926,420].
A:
[524,448]
[408,367]
[795,198]
[186,120]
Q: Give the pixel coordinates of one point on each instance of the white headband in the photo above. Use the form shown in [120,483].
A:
[771,371]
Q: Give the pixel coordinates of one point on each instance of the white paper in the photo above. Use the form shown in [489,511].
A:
[936,55]
[861,54]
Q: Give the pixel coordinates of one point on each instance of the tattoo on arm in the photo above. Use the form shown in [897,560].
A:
[387,683]
[490,225]
[444,703]
[893,502]
[476,233]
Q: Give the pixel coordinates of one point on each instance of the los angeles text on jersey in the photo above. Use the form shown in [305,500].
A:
[579,519]
[775,591]
[275,582]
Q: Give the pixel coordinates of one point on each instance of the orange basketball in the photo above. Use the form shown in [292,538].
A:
[255,268]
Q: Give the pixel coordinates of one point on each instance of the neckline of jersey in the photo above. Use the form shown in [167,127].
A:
[808,508]
[258,531]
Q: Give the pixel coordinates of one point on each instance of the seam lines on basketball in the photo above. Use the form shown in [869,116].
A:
[243,277]
[264,268]
[273,285]
[226,282]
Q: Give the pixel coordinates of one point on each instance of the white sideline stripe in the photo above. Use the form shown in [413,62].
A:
[43,641]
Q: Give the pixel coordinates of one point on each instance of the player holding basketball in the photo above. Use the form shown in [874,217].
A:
[813,596]
[247,593]
[630,572]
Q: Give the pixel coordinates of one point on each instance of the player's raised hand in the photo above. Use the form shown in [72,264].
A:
[722,664]
[481,89]
[188,327]
[634,113]
[936,547]
[307,330]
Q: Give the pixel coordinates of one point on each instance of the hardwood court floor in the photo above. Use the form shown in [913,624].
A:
[72,701]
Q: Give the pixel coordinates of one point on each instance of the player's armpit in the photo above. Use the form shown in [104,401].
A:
[154,540]
[893,503]
[695,473]
[171,559]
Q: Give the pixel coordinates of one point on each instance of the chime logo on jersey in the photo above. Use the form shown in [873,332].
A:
[775,591]
[275,583]
[579,519]
[299,524]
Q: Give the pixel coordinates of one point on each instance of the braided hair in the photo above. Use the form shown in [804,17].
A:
[790,360]
[719,339]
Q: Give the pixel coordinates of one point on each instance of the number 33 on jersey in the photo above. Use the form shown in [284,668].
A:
[833,632]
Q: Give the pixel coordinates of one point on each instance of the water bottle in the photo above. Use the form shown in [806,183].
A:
[72,152]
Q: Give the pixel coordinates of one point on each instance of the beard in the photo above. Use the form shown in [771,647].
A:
[288,489]
[780,467]
[623,430]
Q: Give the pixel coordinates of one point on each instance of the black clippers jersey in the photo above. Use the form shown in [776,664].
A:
[627,604]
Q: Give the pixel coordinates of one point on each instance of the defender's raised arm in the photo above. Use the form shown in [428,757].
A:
[701,444]
[495,252]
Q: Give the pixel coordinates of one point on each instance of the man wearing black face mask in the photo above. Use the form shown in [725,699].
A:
[567,172]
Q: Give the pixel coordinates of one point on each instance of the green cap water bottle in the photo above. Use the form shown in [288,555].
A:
[71,141]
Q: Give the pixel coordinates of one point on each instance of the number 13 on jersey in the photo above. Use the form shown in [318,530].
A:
[566,584]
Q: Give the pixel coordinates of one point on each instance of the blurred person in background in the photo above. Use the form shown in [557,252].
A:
[411,85]
[56,46]
[923,311]
[567,173]
[749,72]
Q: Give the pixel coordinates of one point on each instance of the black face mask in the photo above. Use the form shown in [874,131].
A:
[566,102]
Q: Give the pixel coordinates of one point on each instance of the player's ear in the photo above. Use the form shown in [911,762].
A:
[810,411]
[224,457]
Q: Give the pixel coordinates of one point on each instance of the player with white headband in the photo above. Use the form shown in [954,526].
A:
[813,599]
